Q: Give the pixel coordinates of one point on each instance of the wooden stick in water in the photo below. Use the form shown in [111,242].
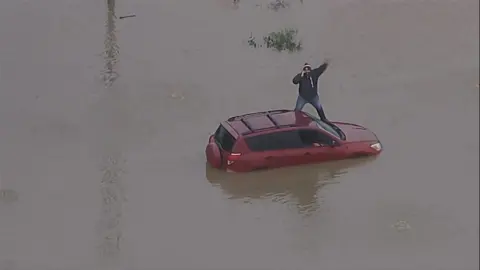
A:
[127,16]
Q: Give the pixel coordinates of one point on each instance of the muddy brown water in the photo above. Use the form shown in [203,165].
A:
[103,124]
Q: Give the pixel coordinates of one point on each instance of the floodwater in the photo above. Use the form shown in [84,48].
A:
[103,124]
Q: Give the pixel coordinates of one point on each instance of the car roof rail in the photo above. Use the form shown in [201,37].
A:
[268,114]
[277,125]
[239,117]
[246,124]
[273,120]
[267,128]
[278,111]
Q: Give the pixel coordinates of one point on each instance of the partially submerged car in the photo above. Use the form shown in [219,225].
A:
[280,138]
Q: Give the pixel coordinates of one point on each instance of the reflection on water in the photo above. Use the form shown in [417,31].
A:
[111,47]
[113,162]
[112,203]
[294,185]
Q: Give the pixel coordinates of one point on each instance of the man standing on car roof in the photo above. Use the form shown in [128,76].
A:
[307,82]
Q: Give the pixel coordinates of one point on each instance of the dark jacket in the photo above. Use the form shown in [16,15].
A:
[307,85]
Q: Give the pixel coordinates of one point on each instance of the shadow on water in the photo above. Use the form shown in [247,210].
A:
[299,185]
[113,161]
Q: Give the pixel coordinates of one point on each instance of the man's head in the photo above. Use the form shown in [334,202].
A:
[307,68]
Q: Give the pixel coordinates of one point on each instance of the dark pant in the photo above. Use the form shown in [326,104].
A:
[315,102]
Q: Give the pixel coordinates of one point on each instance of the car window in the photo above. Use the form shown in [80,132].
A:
[309,137]
[327,128]
[324,126]
[275,141]
[224,139]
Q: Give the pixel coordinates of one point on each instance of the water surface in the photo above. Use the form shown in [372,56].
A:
[104,122]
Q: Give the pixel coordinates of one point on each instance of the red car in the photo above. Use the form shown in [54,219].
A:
[283,138]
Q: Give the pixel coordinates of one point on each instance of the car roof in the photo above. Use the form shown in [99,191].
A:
[269,120]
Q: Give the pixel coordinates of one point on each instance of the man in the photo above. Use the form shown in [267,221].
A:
[307,82]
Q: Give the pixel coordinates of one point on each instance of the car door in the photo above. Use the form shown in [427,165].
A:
[263,153]
[319,146]
[290,147]
[275,149]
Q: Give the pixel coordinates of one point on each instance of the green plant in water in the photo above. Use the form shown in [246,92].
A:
[252,42]
[277,4]
[283,40]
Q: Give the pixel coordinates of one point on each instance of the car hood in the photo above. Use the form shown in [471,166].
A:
[356,133]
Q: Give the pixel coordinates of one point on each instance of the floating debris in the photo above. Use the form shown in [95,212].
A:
[127,16]
[401,225]
[177,96]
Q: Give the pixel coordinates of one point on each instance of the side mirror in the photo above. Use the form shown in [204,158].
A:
[334,144]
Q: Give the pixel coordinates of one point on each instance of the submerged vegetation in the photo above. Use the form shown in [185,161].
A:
[274,5]
[277,4]
[283,40]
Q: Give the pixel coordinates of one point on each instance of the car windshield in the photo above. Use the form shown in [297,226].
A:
[335,131]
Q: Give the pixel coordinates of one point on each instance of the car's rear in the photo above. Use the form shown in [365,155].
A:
[226,149]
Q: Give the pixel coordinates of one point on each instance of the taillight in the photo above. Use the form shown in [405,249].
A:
[232,158]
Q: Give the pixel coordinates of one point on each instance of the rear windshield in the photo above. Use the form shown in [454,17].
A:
[224,139]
